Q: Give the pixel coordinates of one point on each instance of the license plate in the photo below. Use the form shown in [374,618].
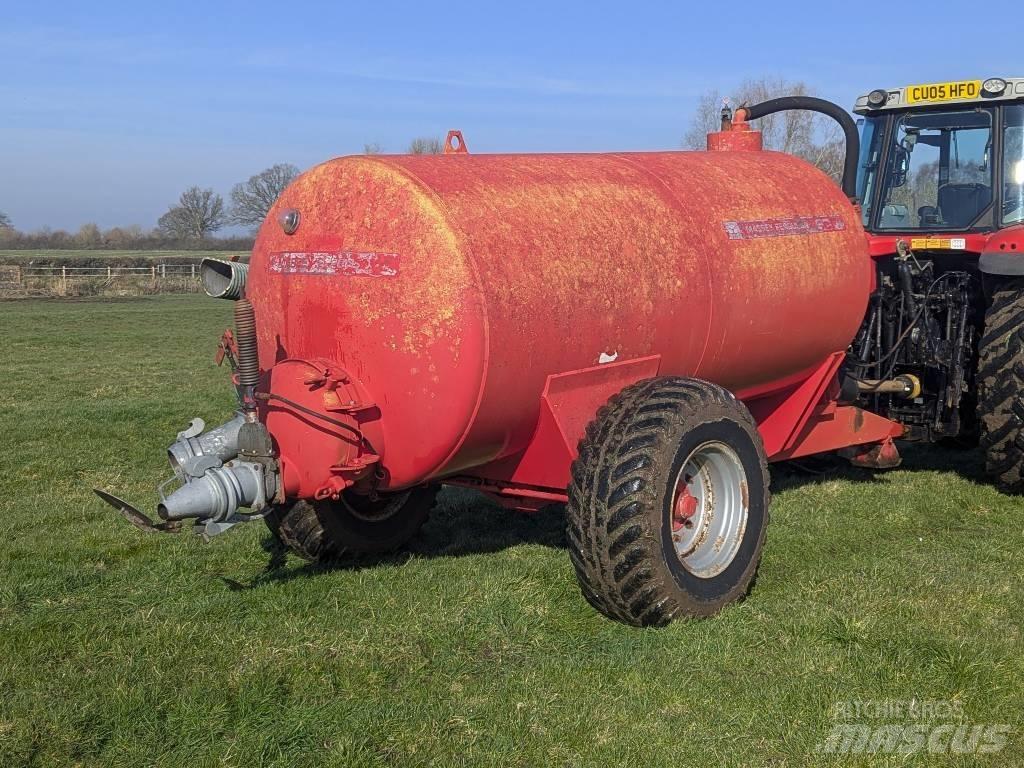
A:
[954,91]
[938,243]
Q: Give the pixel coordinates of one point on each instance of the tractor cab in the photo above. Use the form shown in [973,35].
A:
[942,161]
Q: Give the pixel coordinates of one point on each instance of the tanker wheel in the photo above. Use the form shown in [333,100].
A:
[668,503]
[1001,387]
[353,525]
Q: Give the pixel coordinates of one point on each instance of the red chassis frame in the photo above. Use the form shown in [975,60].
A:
[802,418]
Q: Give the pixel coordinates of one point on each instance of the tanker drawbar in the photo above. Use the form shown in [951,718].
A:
[633,335]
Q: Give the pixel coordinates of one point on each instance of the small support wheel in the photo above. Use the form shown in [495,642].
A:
[353,525]
[668,504]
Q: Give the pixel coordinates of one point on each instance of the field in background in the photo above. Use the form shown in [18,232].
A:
[78,257]
[78,273]
[475,646]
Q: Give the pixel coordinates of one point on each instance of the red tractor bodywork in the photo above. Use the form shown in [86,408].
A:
[1002,243]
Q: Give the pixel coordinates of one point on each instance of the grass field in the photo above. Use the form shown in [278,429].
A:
[473,648]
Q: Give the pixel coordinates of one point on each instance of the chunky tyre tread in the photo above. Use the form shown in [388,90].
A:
[614,546]
[299,529]
[314,531]
[1001,387]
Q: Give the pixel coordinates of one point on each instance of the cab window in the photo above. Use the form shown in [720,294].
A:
[939,172]
[1013,164]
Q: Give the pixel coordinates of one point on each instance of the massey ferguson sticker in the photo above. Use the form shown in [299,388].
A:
[796,225]
[341,262]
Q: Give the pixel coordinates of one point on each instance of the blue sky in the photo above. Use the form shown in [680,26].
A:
[108,110]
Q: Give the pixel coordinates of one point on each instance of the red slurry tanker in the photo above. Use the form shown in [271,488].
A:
[635,334]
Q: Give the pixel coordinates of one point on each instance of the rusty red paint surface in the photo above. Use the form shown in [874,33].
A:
[739,138]
[568,403]
[517,268]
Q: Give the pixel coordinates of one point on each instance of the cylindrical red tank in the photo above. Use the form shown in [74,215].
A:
[450,287]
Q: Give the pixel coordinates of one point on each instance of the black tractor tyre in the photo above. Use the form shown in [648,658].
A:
[354,525]
[1001,387]
[623,496]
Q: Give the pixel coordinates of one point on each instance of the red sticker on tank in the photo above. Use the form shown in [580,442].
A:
[795,225]
[341,262]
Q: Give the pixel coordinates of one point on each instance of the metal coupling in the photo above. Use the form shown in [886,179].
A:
[193,442]
[217,494]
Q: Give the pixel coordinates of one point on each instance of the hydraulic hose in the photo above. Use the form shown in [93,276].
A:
[827,108]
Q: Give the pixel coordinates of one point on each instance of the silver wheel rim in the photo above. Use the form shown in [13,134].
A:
[710,505]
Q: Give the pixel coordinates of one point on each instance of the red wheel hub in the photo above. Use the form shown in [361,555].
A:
[685,506]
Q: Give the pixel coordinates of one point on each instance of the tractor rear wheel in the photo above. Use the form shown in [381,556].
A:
[668,503]
[353,525]
[1001,387]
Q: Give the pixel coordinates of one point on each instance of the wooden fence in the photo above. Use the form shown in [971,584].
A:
[23,280]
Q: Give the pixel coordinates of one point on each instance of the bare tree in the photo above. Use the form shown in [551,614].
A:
[707,118]
[199,212]
[251,201]
[123,238]
[5,221]
[89,236]
[373,148]
[828,155]
[425,146]
[808,135]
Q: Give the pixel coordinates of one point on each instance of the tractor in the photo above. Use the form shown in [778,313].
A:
[940,180]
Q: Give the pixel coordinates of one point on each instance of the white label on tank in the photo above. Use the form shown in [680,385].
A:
[793,225]
[341,262]
[958,244]
[604,357]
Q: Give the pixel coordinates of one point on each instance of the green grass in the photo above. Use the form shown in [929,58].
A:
[473,648]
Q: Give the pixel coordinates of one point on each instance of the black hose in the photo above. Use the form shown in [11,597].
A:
[906,285]
[829,109]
